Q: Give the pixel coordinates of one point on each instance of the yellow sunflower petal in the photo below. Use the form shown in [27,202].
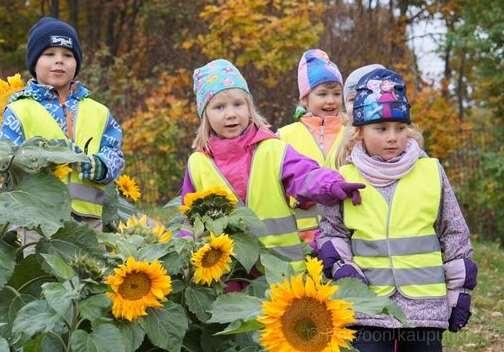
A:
[128,187]
[213,259]
[136,286]
[62,171]
[300,315]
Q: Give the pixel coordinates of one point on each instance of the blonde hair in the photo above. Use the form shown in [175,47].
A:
[200,142]
[352,135]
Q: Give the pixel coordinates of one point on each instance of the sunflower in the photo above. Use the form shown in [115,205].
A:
[136,286]
[210,195]
[213,259]
[301,316]
[7,88]
[62,171]
[161,233]
[128,187]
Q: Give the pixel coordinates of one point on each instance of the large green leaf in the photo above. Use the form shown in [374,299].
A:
[59,267]
[35,317]
[10,304]
[7,262]
[104,338]
[37,153]
[132,334]
[29,275]
[246,250]
[72,241]
[166,326]
[276,269]
[245,218]
[233,306]
[199,301]
[121,245]
[365,301]
[44,343]
[154,251]
[94,307]
[59,296]
[40,201]
[4,346]
[240,326]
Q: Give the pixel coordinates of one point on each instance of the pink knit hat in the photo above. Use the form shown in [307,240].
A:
[314,69]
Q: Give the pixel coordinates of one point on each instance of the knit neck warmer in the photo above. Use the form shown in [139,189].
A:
[381,173]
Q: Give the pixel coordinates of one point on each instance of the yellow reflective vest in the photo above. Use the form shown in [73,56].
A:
[397,246]
[87,197]
[265,196]
[298,135]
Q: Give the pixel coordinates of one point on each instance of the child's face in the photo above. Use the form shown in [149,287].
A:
[324,100]
[385,139]
[228,113]
[349,103]
[56,67]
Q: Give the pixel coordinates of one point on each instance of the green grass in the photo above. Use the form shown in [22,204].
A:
[485,331]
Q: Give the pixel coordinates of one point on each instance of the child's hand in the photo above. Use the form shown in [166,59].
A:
[93,169]
[343,190]
[460,313]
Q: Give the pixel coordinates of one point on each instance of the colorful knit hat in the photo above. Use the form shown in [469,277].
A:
[381,97]
[51,32]
[315,68]
[354,77]
[213,78]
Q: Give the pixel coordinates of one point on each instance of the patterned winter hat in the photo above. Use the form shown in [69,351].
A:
[354,77]
[213,78]
[315,68]
[381,97]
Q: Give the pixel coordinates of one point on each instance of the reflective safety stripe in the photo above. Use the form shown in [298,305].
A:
[307,213]
[88,194]
[401,277]
[280,226]
[287,239]
[291,252]
[396,246]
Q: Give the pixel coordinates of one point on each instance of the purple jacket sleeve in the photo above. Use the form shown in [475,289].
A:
[460,271]
[306,181]
[187,186]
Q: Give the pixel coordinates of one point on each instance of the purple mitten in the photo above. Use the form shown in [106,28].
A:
[329,256]
[343,190]
[471,271]
[460,313]
[343,270]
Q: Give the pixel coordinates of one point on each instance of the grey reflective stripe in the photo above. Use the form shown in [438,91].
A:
[401,277]
[396,246]
[86,193]
[313,212]
[279,226]
[292,253]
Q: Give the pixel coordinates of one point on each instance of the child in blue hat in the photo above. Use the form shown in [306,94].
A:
[408,240]
[54,105]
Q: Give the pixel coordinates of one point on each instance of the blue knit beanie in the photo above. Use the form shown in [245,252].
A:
[213,78]
[51,32]
[381,97]
[314,69]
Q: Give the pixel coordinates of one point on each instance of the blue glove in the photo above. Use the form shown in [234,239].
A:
[92,169]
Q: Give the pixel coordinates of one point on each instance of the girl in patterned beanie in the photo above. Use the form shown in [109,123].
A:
[408,240]
[236,151]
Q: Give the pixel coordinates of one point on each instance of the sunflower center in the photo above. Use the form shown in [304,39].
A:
[135,286]
[211,257]
[307,324]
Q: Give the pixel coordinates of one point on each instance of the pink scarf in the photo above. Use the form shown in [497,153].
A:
[382,173]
